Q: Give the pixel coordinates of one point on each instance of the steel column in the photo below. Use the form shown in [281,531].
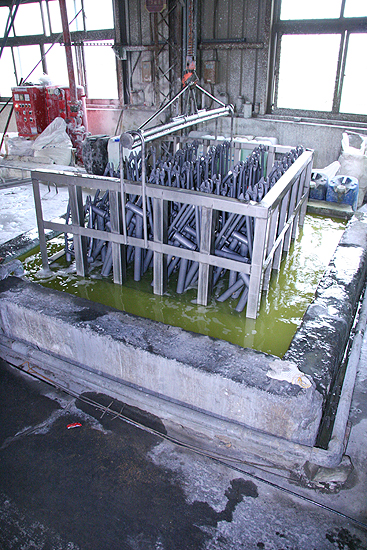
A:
[271,239]
[68,52]
[292,204]
[256,267]
[282,219]
[77,217]
[160,216]
[306,189]
[118,250]
[206,247]
[301,185]
[40,224]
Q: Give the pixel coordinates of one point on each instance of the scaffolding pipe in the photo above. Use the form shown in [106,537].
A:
[68,52]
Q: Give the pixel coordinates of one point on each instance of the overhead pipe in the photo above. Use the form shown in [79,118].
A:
[184,90]
[179,123]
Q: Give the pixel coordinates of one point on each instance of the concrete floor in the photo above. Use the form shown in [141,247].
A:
[110,485]
[17,213]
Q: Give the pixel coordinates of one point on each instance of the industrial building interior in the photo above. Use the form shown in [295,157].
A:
[185,366]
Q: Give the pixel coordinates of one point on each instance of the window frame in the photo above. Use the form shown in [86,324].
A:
[344,26]
[77,39]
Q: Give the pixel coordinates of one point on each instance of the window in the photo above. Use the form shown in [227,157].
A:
[28,13]
[53,10]
[312,9]
[56,65]
[32,47]
[307,71]
[355,8]
[97,18]
[26,59]
[100,65]
[8,80]
[319,47]
[4,13]
[354,96]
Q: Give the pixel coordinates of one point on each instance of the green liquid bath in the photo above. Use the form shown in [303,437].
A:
[281,311]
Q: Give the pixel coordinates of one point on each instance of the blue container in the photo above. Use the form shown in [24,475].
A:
[343,190]
[318,186]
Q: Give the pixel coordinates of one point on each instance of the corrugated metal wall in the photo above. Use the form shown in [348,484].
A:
[148,52]
[234,33]
[243,68]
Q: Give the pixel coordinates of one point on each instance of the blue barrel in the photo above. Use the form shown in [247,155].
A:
[343,190]
[318,186]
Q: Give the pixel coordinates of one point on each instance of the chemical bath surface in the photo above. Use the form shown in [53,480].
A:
[281,309]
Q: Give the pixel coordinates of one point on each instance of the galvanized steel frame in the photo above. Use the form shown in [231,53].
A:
[276,219]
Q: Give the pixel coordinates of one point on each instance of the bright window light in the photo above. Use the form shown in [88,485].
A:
[310,9]
[100,63]
[45,17]
[307,71]
[56,65]
[97,18]
[26,58]
[4,12]
[28,20]
[55,17]
[7,80]
[355,8]
[72,8]
[354,96]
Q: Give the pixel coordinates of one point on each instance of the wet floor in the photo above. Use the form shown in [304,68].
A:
[106,484]
[17,212]
[93,484]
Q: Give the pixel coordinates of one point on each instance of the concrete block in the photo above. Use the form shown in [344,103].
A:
[356,230]
[328,479]
[214,377]
[319,344]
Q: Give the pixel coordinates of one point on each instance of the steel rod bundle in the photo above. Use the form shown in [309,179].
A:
[181,228]
[186,169]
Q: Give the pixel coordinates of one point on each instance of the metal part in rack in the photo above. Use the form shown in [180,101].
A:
[198,231]
[186,226]
[132,139]
[187,211]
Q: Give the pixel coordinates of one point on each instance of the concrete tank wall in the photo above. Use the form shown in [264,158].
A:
[267,404]
[211,376]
